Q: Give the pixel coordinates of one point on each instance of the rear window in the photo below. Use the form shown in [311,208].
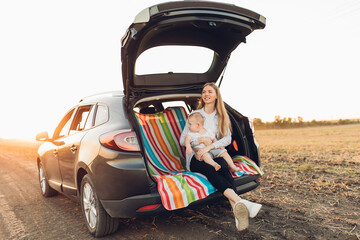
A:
[176,59]
[102,115]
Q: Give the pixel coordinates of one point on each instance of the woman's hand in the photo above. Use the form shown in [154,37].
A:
[204,150]
[205,140]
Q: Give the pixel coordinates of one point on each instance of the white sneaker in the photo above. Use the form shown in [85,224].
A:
[241,214]
[252,207]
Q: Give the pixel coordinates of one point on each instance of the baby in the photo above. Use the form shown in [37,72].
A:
[196,127]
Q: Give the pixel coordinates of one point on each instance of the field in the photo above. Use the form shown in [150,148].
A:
[310,190]
[311,183]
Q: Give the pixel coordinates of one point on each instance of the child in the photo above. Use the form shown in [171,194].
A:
[196,127]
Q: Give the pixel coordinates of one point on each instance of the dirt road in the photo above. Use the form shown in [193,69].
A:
[310,191]
[26,214]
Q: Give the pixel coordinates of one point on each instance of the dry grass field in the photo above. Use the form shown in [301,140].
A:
[312,182]
[310,190]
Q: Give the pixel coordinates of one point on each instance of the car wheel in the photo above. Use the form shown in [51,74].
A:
[46,190]
[98,221]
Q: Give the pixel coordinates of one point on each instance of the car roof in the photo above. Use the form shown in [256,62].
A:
[101,96]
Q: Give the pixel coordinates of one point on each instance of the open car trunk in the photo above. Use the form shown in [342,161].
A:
[214,26]
[158,125]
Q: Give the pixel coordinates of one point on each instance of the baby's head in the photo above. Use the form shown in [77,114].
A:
[195,122]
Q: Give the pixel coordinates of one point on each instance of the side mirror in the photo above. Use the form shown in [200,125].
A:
[43,136]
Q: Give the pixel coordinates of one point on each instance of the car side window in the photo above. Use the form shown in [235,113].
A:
[80,119]
[102,114]
[63,128]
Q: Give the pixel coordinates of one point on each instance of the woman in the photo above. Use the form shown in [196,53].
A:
[217,121]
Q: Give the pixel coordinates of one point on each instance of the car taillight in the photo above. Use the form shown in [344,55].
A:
[124,140]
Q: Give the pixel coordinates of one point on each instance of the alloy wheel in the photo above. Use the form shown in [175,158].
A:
[42,180]
[89,204]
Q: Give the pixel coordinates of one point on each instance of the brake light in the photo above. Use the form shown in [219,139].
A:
[124,140]
[148,207]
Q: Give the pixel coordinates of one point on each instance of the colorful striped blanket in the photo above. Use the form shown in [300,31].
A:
[166,159]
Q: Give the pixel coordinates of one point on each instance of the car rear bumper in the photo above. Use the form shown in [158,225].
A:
[247,183]
[133,206]
[129,207]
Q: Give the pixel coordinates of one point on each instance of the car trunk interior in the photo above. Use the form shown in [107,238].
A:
[150,109]
[158,122]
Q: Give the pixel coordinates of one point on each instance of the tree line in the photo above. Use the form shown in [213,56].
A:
[288,122]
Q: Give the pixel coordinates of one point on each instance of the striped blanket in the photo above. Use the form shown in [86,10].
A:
[166,159]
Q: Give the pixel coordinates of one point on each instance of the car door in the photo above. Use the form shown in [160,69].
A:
[68,151]
[51,157]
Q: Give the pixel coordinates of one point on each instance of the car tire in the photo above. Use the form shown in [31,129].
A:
[98,221]
[45,188]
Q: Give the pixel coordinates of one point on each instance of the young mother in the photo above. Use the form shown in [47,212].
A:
[218,123]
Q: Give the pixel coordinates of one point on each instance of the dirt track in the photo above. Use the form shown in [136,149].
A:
[308,192]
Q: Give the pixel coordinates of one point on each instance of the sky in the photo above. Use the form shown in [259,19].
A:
[53,53]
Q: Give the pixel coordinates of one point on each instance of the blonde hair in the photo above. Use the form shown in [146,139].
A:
[224,125]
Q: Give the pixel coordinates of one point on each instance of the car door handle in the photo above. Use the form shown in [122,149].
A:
[73,149]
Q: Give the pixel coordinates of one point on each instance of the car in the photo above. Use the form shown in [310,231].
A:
[114,151]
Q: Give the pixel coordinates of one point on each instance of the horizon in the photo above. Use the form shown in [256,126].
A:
[32,139]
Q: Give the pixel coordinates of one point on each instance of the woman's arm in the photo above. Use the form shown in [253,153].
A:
[222,142]
[225,140]
[205,140]
[204,150]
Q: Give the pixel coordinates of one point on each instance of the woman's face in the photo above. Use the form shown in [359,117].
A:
[208,95]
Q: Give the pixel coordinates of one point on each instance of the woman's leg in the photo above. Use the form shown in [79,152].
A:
[224,171]
[232,196]
[224,182]
[252,207]
[220,180]
[216,178]
[207,158]
[240,210]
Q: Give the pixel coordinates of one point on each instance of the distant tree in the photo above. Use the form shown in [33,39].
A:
[278,121]
[288,122]
[258,122]
[277,118]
